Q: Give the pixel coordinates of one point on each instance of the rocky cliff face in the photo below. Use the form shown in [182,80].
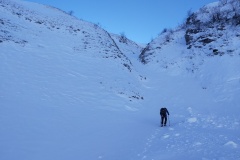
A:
[213,30]
[214,25]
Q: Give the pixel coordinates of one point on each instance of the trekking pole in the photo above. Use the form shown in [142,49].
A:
[160,121]
[168,120]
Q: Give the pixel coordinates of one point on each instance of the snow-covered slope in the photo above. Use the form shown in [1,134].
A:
[61,37]
[205,47]
[201,60]
[71,90]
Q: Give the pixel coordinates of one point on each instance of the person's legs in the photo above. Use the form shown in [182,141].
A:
[162,120]
[165,120]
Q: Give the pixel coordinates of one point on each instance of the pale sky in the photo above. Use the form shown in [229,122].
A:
[139,20]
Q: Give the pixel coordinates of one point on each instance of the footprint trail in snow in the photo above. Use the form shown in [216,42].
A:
[198,137]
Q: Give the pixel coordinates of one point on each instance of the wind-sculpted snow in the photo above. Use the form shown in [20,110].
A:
[71,90]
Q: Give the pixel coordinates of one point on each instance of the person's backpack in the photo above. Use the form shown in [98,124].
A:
[163,111]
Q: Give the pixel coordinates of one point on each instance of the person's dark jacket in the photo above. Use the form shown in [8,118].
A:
[164,112]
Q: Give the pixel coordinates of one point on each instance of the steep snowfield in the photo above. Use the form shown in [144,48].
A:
[79,93]
[204,122]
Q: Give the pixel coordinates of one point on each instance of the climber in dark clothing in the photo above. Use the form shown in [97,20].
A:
[163,114]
